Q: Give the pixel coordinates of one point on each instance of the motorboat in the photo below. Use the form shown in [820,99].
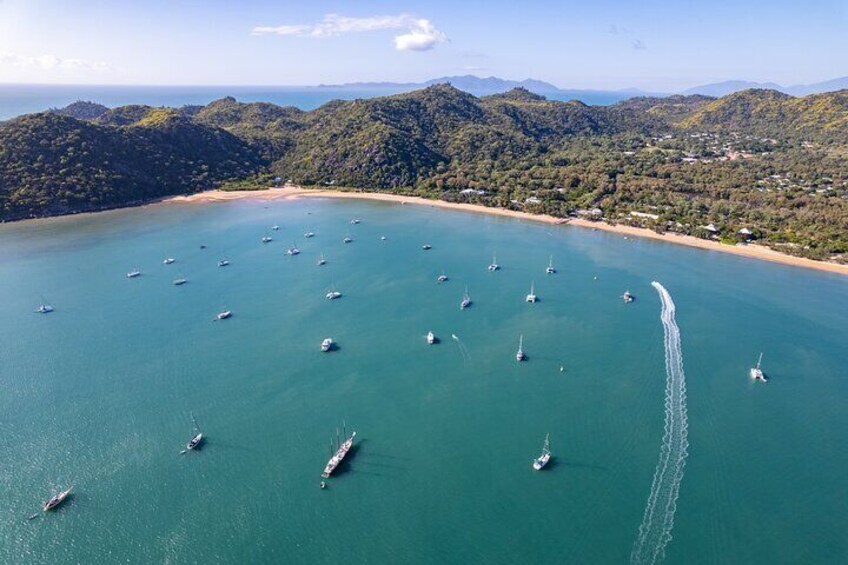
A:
[133,274]
[44,309]
[431,338]
[168,261]
[326,345]
[223,263]
[627,297]
[180,281]
[426,247]
[224,315]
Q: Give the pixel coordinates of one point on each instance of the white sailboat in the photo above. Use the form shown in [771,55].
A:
[196,439]
[756,372]
[168,261]
[431,338]
[321,260]
[308,234]
[494,264]
[44,309]
[519,355]
[133,274]
[267,239]
[223,263]
[543,459]
[333,294]
[442,278]
[180,281]
[466,300]
[550,269]
[293,250]
[531,298]
[326,345]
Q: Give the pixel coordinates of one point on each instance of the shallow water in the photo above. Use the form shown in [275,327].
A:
[99,394]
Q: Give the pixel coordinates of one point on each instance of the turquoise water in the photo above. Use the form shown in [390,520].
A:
[99,394]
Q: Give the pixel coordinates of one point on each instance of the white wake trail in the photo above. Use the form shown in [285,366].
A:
[658,521]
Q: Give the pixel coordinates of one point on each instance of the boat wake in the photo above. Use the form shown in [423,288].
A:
[658,521]
[462,349]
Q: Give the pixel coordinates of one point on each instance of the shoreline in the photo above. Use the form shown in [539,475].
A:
[295,192]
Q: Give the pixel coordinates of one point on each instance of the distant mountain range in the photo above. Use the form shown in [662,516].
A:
[730,86]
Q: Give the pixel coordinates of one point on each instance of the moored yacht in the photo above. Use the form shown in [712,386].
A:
[756,372]
[338,456]
[168,261]
[543,459]
[550,268]
[531,298]
[308,234]
[466,300]
[293,250]
[442,278]
[133,274]
[180,281]
[223,263]
[431,338]
[494,264]
[519,355]
[321,260]
[354,221]
[56,500]
[275,227]
[326,345]
[196,439]
[267,239]
[333,294]
[426,247]
[44,309]
[347,239]
[224,315]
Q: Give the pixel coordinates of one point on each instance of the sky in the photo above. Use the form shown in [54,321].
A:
[660,46]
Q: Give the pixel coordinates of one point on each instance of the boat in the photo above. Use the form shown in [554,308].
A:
[431,338]
[168,261]
[196,439]
[426,247]
[293,250]
[44,309]
[383,238]
[627,297]
[442,278]
[267,239]
[275,227]
[550,269]
[756,372]
[57,499]
[223,263]
[133,274]
[519,355]
[338,456]
[321,260]
[354,221]
[531,298]
[224,315]
[347,239]
[543,459]
[333,294]
[326,345]
[466,300]
[180,281]
[308,234]
[494,265]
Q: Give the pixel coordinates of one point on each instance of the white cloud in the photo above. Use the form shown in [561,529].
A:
[48,62]
[421,35]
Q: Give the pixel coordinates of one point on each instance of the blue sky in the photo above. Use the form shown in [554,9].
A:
[655,45]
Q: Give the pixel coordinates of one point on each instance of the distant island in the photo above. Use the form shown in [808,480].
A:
[753,165]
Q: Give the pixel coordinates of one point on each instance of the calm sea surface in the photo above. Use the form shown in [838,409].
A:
[17,99]
[100,393]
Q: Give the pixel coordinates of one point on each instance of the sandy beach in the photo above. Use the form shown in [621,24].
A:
[291,192]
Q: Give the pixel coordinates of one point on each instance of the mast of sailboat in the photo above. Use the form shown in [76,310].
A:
[196,427]
[551,262]
[760,360]
[521,343]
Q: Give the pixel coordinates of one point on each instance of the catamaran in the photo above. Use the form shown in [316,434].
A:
[321,260]
[338,456]
[540,462]
[293,250]
[308,234]
[133,274]
[494,265]
[550,269]
[223,263]
[275,227]
[466,300]
[56,500]
[531,298]
[627,297]
[267,239]
[326,345]
[756,372]
[44,309]
[347,239]
[431,338]
[168,261]
[519,355]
